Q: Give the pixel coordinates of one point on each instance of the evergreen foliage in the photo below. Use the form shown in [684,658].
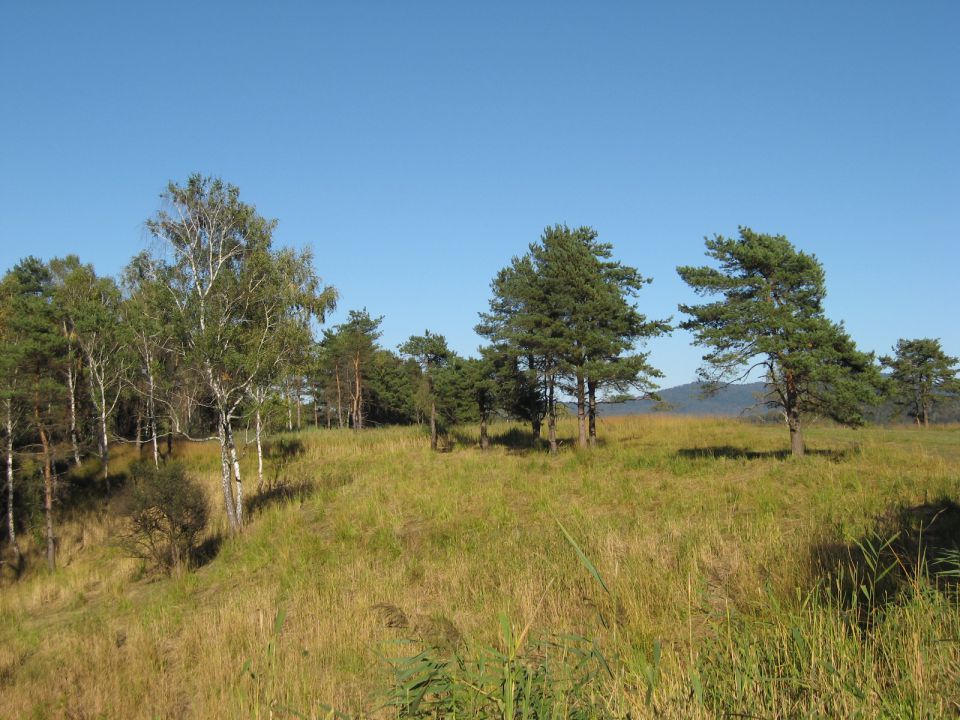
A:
[563,311]
[770,317]
[922,375]
[213,332]
[431,354]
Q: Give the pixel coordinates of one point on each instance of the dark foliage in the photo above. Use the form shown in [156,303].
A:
[167,511]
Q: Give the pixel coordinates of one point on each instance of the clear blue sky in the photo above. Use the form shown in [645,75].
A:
[417,146]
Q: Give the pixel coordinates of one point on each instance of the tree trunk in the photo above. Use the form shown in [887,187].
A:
[592,411]
[796,436]
[47,492]
[535,427]
[72,394]
[299,406]
[484,437]
[357,393]
[316,406]
[152,417]
[169,441]
[238,483]
[433,424]
[11,529]
[336,371]
[93,399]
[551,416]
[289,411]
[139,433]
[103,434]
[225,476]
[581,412]
[259,423]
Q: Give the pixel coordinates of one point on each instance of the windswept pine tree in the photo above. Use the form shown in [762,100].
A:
[769,316]
[921,374]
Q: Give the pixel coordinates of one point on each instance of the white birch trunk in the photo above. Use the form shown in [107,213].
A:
[104,442]
[225,476]
[71,388]
[93,399]
[339,398]
[299,401]
[288,393]
[11,529]
[238,483]
[152,415]
[259,421]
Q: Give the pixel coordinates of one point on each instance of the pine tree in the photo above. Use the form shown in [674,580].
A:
[770,316]
[39,348]
[921,374]
[430,351]
[10,400]
[564,310]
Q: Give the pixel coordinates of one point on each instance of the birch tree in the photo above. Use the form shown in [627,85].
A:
[90,306]
[60,267]
[289,348]
[231,293]
[151,333]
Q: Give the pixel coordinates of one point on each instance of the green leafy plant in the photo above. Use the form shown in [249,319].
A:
[167,513]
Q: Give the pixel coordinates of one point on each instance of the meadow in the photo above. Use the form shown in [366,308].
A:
[684,568]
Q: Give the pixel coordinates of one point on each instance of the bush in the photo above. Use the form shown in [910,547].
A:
[167,511]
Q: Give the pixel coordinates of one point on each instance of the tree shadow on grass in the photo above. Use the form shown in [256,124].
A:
[280,453]
[513,439]
[906,545]
[84,491]
[330,478]
[516,441]
[278,494]
[731,452]
[283,448]
[207,551]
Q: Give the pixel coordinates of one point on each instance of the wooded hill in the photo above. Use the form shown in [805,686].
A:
[744,400]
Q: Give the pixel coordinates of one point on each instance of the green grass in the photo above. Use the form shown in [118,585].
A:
[733,584]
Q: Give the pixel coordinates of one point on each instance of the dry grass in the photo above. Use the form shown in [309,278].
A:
[708,538]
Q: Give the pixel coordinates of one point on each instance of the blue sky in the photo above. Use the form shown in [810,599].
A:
[416,146]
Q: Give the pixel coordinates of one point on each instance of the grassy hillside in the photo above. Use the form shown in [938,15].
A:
[729,571]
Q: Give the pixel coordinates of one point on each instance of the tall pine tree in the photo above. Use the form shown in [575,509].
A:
[770,316]
[921,374]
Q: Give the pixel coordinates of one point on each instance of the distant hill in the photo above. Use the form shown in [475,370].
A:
[741,401]
[735,400]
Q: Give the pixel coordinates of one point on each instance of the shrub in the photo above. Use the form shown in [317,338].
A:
[167,511]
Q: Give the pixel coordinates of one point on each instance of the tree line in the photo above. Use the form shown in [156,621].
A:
[214,334]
